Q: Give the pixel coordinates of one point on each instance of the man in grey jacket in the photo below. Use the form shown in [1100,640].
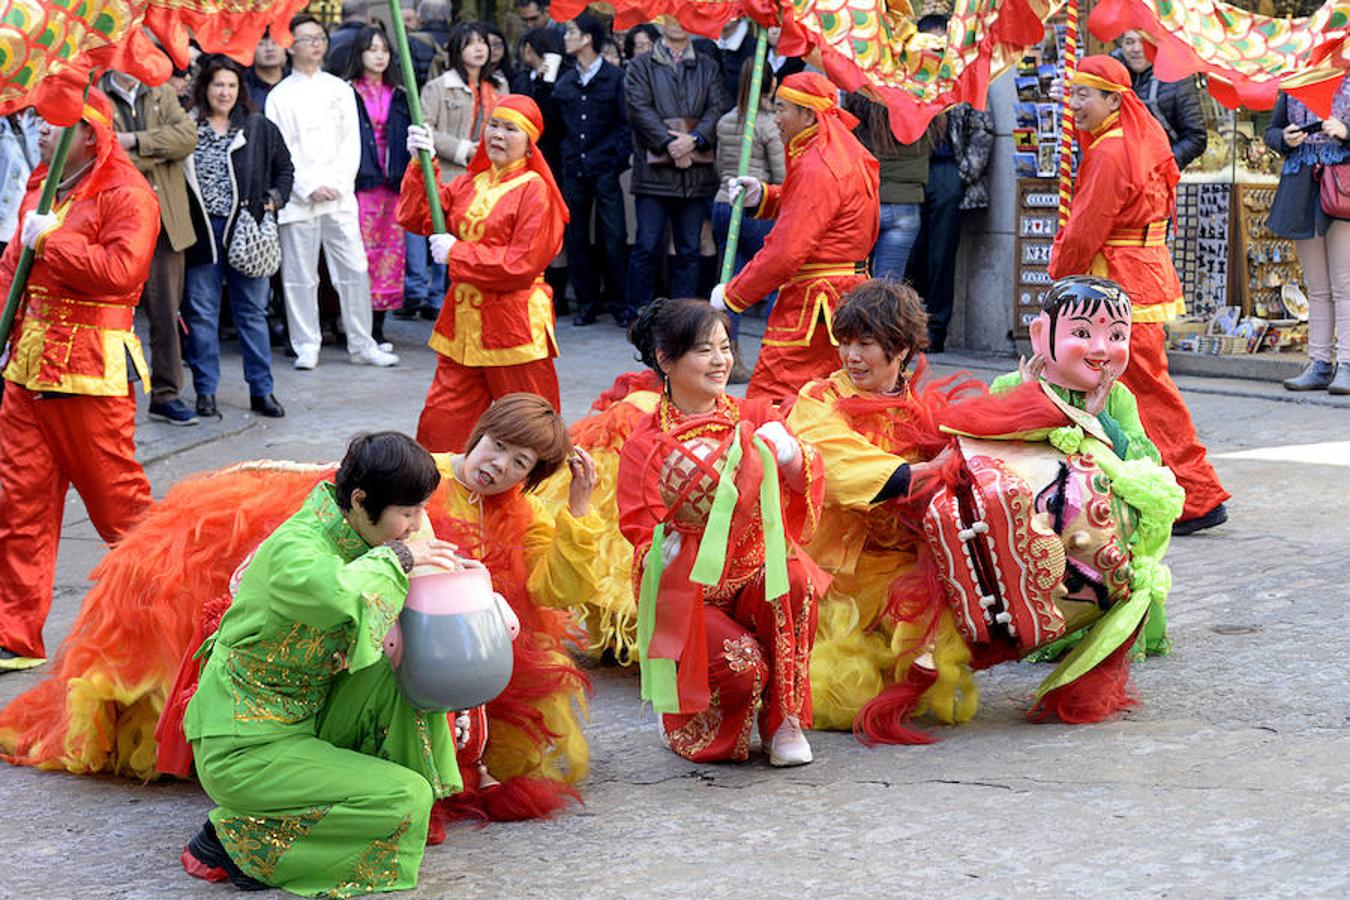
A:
[1175,104]
[674,97]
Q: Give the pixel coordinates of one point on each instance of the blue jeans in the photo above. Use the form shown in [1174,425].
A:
[652,214]
[423,280]
[201,312]
[899,230]
[753,233]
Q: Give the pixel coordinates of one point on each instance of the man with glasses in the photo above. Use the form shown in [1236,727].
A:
[316,113]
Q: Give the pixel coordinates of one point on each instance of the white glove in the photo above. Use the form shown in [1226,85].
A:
[718,300]
[461,730]
[419,138]
[754,191]
[35,225]
[785,447]
[670,548]
[440,246]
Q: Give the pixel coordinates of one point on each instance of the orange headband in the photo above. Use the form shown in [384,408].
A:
[1087,79]
[515,117]
[802,98]
[95,115]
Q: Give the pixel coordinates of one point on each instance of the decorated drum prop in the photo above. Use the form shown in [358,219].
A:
[451,646]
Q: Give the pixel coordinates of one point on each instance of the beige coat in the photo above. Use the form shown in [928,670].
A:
[447,107]
[768,162]
[165,136]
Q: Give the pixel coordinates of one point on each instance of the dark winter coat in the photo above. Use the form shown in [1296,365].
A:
[371,174]
[1176,105]
[657,89]
[595,135]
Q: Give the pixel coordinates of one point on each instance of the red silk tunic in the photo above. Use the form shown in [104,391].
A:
[828,216]
[1118,224]
[75,332]
[508,232]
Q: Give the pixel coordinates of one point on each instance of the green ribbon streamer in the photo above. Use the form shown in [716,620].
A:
[712,547]
[658,676]
[771,514]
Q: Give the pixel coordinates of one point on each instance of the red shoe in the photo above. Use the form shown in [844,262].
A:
[198,869]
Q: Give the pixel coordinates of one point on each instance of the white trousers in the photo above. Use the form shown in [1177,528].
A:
[339,234]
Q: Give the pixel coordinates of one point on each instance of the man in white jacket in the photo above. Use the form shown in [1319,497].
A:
[316,113]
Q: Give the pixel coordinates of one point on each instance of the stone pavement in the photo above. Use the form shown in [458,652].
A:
[1229,781]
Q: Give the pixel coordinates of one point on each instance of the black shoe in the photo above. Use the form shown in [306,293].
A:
[937,343]
[407,313]
[625,317]
[583,318]
[175,412]
[429,313]
[207,849]
[1216,516]
[206,406]
[267,406]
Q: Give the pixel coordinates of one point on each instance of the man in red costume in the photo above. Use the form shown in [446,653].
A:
[69,415]
[1125,195]
[827,213]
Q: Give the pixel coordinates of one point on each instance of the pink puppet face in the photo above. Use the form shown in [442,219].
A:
[1080,339]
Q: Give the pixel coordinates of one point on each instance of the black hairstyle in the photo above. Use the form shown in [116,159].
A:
[392,469]
[364,39]
[646,28]
[460,33]
[305,19]
[888,311]
[1088,293]
[743,81]
[208,67]
[542,4]
[594,28]
[542,40]
[671,328]
[490,29]
[933,23]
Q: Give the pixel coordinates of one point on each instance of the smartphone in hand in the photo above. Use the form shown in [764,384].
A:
[1311,128]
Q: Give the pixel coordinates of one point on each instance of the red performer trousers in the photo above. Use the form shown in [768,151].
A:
[1167,421]
[781,371]
[459,394]
[46,445]
[757,649]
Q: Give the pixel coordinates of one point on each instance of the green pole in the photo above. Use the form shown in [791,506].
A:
[20,282]
[747,145]
[415,111]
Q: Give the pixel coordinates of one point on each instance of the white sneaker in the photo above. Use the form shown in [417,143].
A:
[386,347]
[788,746]
[307,359]
[374,356]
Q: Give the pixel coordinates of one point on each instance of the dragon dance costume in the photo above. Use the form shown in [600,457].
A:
[826,216]
[163,589]
[69,415]
[509,222]
[880,611]
[728,620]
[1123,199]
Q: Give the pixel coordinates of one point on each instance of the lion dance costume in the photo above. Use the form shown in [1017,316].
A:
[162,591]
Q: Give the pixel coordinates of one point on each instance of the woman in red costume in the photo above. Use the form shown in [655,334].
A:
[162,590]
[883,626]
[505,216]
[727,607]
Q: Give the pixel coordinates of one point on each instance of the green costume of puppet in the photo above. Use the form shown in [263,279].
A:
[323,773]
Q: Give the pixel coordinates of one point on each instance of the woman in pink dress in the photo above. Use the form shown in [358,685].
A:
[383,111]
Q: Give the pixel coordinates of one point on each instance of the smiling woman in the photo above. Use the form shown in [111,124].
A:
[726,612]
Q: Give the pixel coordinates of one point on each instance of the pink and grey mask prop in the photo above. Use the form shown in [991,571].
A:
[451,646]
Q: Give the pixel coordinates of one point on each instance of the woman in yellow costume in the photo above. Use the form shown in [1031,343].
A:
[876,432]
[163,588]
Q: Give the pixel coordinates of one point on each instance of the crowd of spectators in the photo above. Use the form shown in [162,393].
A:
[642,128]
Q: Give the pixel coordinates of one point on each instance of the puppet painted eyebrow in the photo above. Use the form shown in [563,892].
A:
[1115,319]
